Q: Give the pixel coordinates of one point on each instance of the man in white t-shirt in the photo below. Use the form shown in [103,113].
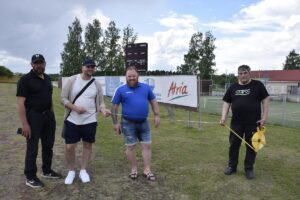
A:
[81,117]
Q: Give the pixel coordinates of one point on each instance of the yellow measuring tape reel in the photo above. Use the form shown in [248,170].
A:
[258,139]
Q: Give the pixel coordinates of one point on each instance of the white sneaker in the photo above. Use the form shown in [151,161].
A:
[70,178]
[84,176]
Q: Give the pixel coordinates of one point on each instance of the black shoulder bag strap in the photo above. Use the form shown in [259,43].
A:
[80,93]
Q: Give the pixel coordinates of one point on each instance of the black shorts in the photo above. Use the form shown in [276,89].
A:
[74,133]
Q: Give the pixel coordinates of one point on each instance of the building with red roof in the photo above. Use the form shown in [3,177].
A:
[279,81]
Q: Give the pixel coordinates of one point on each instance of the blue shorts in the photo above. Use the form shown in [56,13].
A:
[74,133]
[134,132]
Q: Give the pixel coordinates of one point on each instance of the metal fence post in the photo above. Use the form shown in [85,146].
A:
[189,124]
[199,102]
[283,109]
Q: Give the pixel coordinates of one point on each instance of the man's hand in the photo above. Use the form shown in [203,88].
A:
[117,128]
[222,121]
[106,112]
[261,123]
[26,131]
[225,109]
[156,120]
[79,109]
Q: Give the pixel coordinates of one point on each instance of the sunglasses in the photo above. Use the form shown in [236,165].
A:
[39,62]
[90,66]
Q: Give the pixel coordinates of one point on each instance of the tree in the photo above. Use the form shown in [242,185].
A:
[5,72]
[73,54]
[292,61]
[129,36]
[192,57]
[200,58]
[93,47]
[112,49]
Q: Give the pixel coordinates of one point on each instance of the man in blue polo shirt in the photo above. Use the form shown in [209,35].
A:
[134,97]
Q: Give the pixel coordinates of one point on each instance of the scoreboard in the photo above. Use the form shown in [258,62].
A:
[136,54]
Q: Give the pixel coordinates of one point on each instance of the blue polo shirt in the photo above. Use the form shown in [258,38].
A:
[134,100]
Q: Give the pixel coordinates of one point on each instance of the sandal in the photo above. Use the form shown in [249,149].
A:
[133,175]
[150,176]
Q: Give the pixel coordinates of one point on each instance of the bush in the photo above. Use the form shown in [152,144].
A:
[5,72]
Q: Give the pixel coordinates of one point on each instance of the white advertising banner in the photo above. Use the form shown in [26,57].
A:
[179,90]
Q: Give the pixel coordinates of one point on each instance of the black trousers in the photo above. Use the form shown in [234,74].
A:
[42,126]
[235,143]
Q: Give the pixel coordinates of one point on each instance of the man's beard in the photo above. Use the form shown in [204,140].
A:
[132,83]
[39,71]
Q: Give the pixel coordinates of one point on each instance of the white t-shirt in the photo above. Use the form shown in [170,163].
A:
[86,100]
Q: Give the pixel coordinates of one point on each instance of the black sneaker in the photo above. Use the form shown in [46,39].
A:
[52,174]
[34,183]
[229,171]
[249,174]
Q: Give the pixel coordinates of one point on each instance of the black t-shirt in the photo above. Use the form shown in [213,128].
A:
[37,91]
[246,101]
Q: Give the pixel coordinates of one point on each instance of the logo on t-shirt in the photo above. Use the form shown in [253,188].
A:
[242,92]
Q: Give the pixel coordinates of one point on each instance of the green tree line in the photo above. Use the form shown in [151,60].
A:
[106,47]
[5,72]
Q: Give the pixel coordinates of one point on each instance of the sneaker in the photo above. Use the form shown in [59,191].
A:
[34,183]
[52,174]
[84,176]
[70,178]
[249,174]
[229,171]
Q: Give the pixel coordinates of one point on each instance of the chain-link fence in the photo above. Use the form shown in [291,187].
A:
[284,109]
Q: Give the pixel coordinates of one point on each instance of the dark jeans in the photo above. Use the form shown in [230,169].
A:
[42,127]
[235,143]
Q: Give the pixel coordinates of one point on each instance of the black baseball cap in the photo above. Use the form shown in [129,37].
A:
[37,57]
[88,61]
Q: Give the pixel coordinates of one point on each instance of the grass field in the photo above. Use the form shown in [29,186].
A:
[188,162]
[4,79]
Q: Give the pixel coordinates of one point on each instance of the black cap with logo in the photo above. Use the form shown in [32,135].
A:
[37,57]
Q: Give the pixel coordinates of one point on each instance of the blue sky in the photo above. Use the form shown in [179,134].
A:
[259,33]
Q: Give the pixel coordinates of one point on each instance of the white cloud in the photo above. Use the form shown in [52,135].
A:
[261,36]
[173,20]
[267,9]
[85,16]
[166,48]
[24,35]
[11,61]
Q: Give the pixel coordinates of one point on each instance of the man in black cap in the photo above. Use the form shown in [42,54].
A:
[35,108]
[81,117]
